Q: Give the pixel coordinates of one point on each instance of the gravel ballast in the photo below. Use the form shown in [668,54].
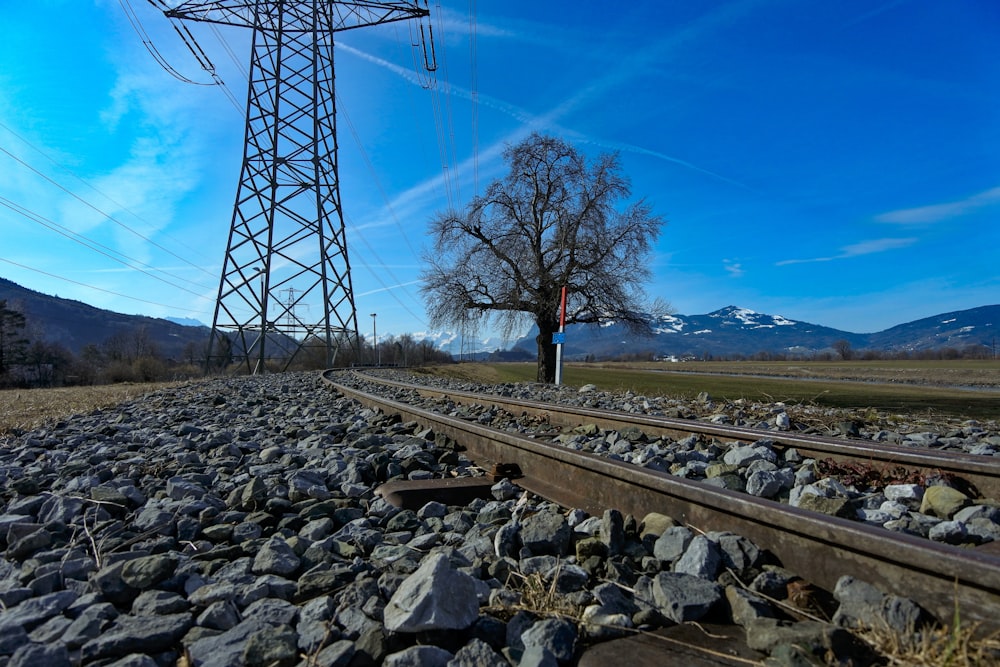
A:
[234,522]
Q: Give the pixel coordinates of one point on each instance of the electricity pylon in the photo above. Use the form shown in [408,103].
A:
[287,232]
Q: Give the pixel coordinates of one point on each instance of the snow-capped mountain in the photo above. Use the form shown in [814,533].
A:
[740,331]
[462,346]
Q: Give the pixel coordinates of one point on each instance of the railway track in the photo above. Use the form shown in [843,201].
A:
[980,472]
[818,547]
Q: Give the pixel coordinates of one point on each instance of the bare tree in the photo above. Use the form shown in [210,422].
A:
[843,348]
[551,222]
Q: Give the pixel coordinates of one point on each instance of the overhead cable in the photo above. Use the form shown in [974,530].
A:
[147,42]
[104,214]
[94,188]
[99,289]
[91,244]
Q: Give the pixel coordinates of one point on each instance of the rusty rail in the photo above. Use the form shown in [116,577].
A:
[817,547]
[982,472]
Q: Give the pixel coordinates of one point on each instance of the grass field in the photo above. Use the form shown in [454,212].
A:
[904,387]
[28,408]
[911,387]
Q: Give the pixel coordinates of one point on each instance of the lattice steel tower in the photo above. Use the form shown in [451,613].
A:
[287,234]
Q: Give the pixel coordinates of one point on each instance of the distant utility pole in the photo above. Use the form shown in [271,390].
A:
[287,225]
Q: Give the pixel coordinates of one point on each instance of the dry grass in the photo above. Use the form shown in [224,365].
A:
[749,381]
[25,409]
[982,373]
[956,646]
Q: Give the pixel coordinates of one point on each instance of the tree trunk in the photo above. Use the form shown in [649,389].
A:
[546,355]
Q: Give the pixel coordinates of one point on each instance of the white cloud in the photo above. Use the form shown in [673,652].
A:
[940,212]
[856,250]
[735,269]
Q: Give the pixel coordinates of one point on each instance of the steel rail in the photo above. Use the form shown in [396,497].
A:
[817,547]
[982,472]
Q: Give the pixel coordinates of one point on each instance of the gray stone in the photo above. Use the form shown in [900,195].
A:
[180,488]
[134,660]
[153,602]
[613,531]
[138,634]
[982,530]
[738,553]
[419,656]
[314,626]
[39,655]
[863,605]
[672,543]
[907,494]
[477,653]
[546,532]
[272,610]
[26,546]
[744,455]
[765,484]
[272,646]
[226,649]
[949,532]
[435,597]
[337,654]
[36,611]
[12,637]
[220,615]
[89,624]
[564,577]
[700,559]
[147,571]
[317,529]
[276,557]
[814,637]
[50,630]
[600,622]
[683,597]
[841,507]
[973,512]
[747,607]
[60,509]
[556,636]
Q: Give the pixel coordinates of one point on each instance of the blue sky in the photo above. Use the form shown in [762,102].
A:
[832,162]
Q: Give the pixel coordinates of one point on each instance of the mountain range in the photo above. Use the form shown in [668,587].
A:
[75,325]
[739,331]
[730,331]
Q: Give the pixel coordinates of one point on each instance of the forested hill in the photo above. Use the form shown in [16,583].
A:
[75,325]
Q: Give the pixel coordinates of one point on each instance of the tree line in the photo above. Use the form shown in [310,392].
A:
[132,355]
[974,351]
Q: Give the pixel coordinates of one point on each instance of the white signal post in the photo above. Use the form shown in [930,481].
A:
[561,337]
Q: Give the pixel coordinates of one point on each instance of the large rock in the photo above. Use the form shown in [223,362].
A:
[943,501]
[546,532]
[680,597]
[138,634]
[435,597]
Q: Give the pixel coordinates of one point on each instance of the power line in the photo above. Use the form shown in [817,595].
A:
[147,42]
[99,289]
[63,231]
[94,188]
[341,111]
[189,41]
[103,213]
[377,275]
[229,50]
[448,117]
[474,88]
